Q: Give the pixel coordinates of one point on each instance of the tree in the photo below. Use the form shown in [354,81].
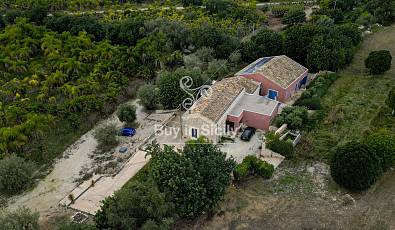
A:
[195,178]
[171,95]
[15,174]
[126,113]
[148,95]
[106,136]
[19,219]
[132,207]
[355,166]
[264,43]
[383,143]
[294,116]
[294,16]
[192,2]
[379,61]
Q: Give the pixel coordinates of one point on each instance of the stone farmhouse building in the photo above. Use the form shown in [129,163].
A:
[252,98]
[280,76]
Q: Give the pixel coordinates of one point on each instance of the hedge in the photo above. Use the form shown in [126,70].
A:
[315,90]
[282,147]
[383,143]
[251,165]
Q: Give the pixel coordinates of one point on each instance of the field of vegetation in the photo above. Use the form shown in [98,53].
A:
[355,104]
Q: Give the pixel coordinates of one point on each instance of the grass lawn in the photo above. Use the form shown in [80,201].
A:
[355,103]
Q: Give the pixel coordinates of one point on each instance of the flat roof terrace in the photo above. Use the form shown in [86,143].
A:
[254,103]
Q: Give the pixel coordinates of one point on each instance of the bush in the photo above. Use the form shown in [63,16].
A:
[196,178]
[294,16]
[106,136]
[252,165]
[355,166]
[383,143]
[282,147]
[378,62]
[315,90]
[148,96]
[15,174]
[135,205]
[20,219]
[241,171]
[313,103]
[263,169]
[294,116]
[127,113]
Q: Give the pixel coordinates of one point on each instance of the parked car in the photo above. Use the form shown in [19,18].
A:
[128,132]
[247,134]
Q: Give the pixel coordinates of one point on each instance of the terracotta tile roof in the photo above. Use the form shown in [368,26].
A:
[221,96]
[279,69]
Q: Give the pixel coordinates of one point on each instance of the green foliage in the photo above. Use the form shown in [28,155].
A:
[15,174]
[106,136]
[20,219]
[75,226]
[148,95]
[383,143]
[322,47]
[283,9]
[379,61]
[355,166]
[294,116]
[252,165]
[391,99]
[383,10]
[294,16]
[241,171]
[315,90]
[282,147]
[196,179]
[264,43]
[126,113]
[171,95]
[134,206]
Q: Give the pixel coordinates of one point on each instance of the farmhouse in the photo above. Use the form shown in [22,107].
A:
[231,102]
[280,76]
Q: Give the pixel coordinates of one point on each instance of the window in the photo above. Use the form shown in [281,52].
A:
[194,133]
[272,94]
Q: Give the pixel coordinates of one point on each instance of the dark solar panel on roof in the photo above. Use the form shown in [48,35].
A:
[260,63]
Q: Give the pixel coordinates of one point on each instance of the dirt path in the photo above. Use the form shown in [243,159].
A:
[44,198]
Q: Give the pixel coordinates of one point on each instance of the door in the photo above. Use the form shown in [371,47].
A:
[273,94]
[194,133]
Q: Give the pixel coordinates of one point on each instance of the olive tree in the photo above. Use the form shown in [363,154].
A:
[15,174]
[148,95]
[127,113]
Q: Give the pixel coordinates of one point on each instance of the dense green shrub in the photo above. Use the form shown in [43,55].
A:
[263,169]
[195,179]
[20,219]
[127,113]
[379,61]
[315,90]
[294,16]
[241,171]
[135,205]
[355,166]
[252,165]
[282,147]
[262,44]
[15,174]
[383,143]
[312,103]
[294,116]
[148,95]
[106,136]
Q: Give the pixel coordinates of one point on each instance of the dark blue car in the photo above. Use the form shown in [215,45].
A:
[128,132]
